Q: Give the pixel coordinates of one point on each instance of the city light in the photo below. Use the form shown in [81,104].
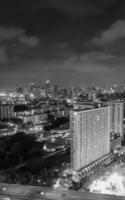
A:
[2,94]
[113,184]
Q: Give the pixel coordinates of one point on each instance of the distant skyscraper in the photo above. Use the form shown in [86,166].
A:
[32,85]
[19,89]
[90,136]
[92,96]
[47,84]
[35,90]
[55,90]
[43,92]
[49,88]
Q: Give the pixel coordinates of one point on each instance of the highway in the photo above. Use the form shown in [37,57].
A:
[23,192]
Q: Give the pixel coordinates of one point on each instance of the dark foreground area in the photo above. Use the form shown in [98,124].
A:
[23,161]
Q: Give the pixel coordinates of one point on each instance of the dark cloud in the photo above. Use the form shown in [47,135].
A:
[46,15]
[67,41]
[81,7]
[13,33]
[29,40]
[3,56]
[114,33]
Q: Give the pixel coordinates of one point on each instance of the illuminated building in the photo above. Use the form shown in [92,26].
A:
[82,106]
[47,84]
[34,118]
[32,85]
[117,109]
[43,92]
[35,90]
[114,144]
[92,96]
[90,136]
[49,88]
[6,111]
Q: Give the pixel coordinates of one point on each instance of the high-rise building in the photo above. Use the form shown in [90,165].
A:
[32,86]
[90,136]
[43,92]
[6,111]
[117,111]
[19,89]
[49,88]
[92,96]
[35,90]
[47,84]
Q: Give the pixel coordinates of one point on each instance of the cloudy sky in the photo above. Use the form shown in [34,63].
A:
[70,42]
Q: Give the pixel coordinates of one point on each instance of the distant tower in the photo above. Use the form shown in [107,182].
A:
[55,89]
[92,96]
[43,92]
[32,86]
[48,88]
[47,84]
[19,89]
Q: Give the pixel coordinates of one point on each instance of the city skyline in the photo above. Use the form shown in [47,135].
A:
[62,99]
[72,42]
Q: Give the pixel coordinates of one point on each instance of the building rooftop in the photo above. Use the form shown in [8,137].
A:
[85,109]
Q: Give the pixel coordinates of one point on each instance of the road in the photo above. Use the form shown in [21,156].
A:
[22,192]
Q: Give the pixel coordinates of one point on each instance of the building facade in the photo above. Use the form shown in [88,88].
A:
[92,96]
[35,118]
[116,117]
[6,111]
[90,136]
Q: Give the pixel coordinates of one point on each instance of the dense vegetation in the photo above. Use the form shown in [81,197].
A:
[17,148]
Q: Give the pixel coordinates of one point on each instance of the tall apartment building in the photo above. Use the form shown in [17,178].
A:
[90,136]
[6,111]
[116,115]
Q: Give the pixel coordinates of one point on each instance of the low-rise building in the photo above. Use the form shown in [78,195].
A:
[35,118]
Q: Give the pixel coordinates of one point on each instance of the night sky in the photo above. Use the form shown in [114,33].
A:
[70,42]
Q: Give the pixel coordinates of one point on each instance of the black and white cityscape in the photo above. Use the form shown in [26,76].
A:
[62,99]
